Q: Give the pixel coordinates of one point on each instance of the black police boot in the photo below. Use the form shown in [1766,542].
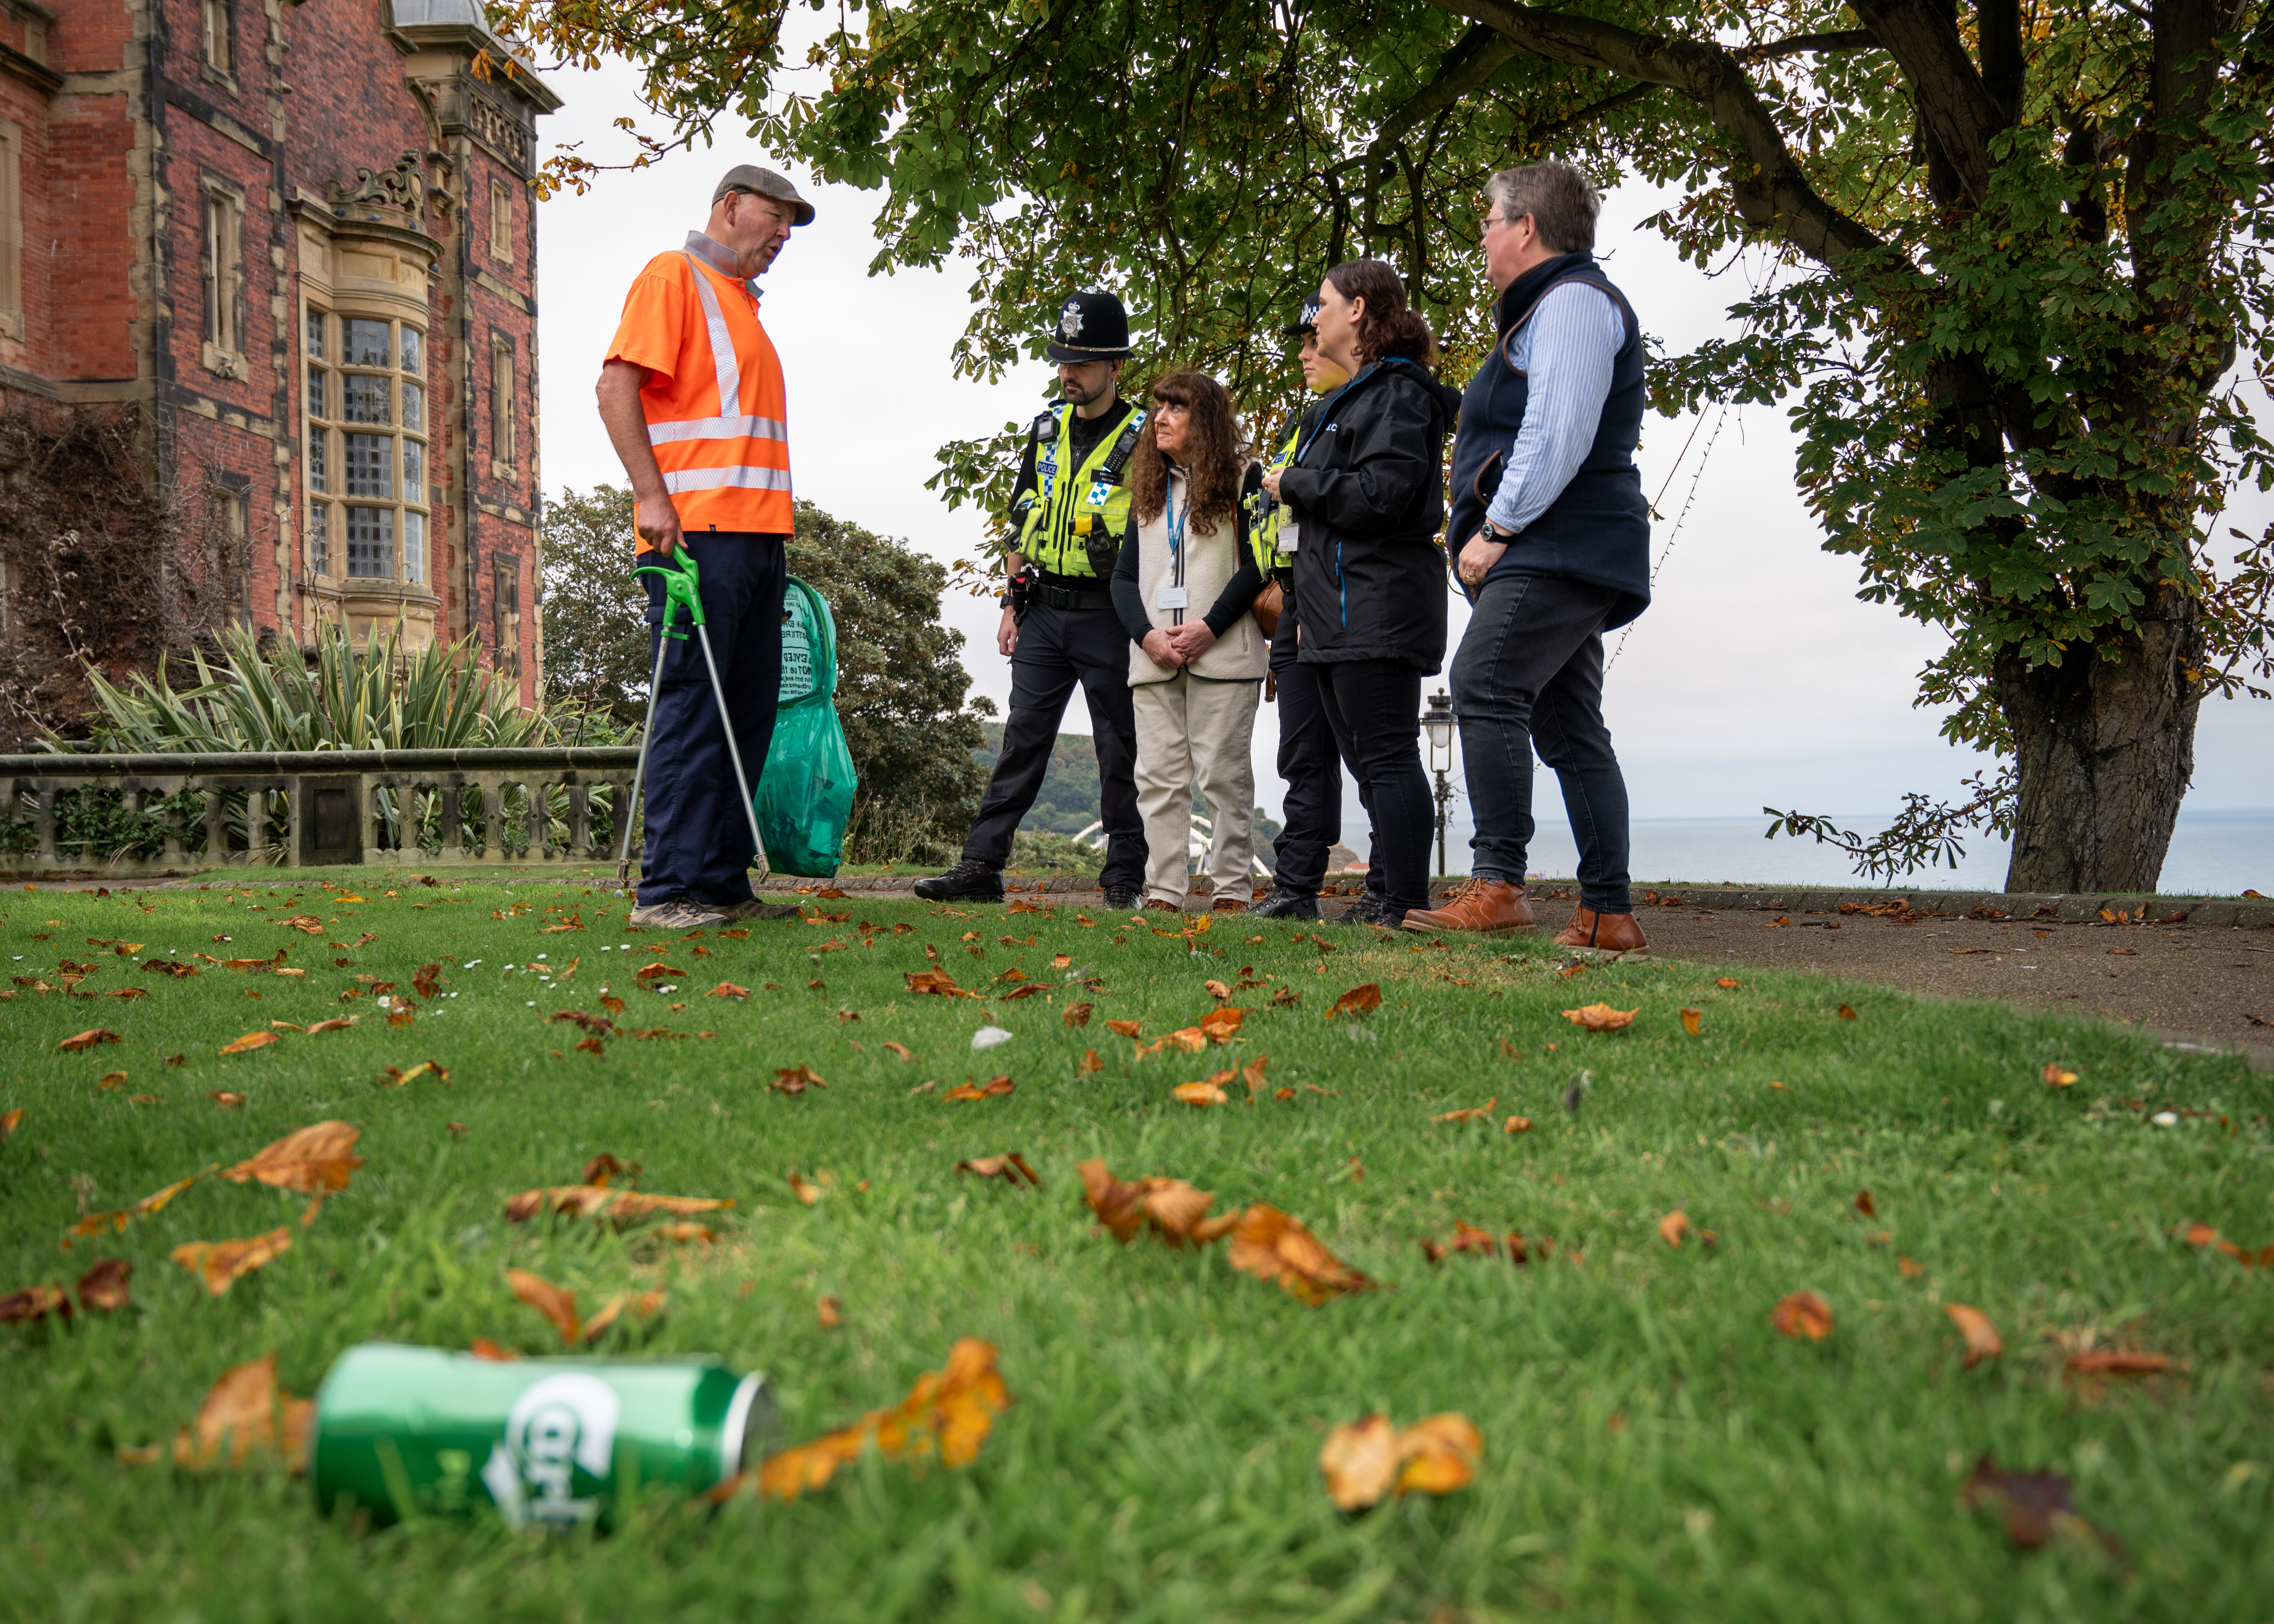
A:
[969,881]
[1285,904]
[1123,899]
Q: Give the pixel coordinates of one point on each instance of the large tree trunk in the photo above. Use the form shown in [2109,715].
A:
[2106,750]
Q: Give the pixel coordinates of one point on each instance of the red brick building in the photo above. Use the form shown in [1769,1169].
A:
[296,243]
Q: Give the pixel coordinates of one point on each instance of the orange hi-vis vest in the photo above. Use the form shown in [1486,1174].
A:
[718,415]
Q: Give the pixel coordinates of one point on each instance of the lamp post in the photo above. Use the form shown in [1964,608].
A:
[1437,722]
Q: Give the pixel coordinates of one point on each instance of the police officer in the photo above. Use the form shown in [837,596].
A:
[1311,754]
[1068,513]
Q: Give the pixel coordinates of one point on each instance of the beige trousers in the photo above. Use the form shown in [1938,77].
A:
[1195,733]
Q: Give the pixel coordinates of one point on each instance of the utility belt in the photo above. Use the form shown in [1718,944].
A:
[1068,591]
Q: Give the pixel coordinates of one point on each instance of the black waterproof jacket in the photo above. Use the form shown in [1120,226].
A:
[1368,490]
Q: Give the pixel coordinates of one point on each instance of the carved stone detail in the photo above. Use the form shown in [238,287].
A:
[402,187]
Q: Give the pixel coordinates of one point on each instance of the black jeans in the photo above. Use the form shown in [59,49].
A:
[1311,757]
[1376,704]
[698,830]
[1057,649]
[1530,673]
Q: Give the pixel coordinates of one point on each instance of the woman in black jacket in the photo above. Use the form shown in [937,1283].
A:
[1367,486]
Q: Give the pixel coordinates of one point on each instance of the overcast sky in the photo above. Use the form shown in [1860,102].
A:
[1756,678]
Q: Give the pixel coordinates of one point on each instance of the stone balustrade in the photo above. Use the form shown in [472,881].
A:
[303,808]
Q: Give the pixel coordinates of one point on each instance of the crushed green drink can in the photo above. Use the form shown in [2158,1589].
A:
[550,1442]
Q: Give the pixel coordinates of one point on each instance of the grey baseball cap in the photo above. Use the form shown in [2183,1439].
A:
[766,184]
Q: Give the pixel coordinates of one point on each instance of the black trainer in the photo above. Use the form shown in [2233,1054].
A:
[969,881]
[1285,904]
[1373,908]
[1123,899]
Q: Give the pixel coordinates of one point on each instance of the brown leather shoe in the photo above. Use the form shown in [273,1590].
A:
[1603,933]
[1156,904]
[1489,907]
[1229,905]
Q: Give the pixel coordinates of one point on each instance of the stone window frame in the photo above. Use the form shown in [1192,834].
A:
[505,612]
[218,39]
[504,396]
[11,230]
[221,275]
[234,491]
[324,482]
[500,221]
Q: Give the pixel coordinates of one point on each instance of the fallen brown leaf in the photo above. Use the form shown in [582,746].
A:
[1272,1245]
[830,1312]
[1126,1028]
[1090,1062]
[548,1299]
[646,1305]
[797,1080]
[97,1034]
[1910,1268]
[1846,1013]
[621,1206]
[337,1024]
[727,989]
[937,983]
[102,1288]
[1467,1238]
[1364,1460]
[806,1193]
[2035,1505]
[34,1302]
[427,979]
[1010,1167]
[900,1052]
[1286,995]
[1600,1018]
[1175,1210]
[1981,1339]
[1517,1125]
[2120,1362]
[1215,989]
[483,1347]
[227,1100]
[1673,1227]
[1865,1205]
[1078,1014]
[245,1411]
[992,1086]
[1207,1092]
[318,1160]
[1690,1019]
[948,1413]
[1220,1024]
[1358,1000]
[249,1041]
[1804,1313]
[8,1122]
[221,1264]
[1474,1113]
[2058,1076]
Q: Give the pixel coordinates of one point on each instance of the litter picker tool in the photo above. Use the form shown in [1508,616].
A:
[682,589]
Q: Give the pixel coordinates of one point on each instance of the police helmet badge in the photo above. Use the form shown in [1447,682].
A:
[1070,320]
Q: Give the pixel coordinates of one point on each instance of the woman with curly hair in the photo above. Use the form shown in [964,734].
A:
[1366,485]
[1185,586]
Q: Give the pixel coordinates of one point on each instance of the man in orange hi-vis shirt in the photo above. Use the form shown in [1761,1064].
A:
[692,395]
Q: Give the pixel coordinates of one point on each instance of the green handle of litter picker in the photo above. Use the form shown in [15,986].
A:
[683,587]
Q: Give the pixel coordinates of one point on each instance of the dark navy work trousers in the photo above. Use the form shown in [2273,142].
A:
[698,830]
[1058,648]
[1311,757]
[1530,674]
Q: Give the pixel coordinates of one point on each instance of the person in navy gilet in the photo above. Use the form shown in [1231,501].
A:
[1550,535]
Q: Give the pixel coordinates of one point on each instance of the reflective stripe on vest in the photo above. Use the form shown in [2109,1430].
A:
[1264,526]
[731,425]
[1070,508]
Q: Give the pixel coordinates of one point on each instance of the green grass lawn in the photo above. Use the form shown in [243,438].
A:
[1653,1448]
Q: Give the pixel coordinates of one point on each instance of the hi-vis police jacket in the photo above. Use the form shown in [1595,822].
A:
[1071,519]
[1268,521]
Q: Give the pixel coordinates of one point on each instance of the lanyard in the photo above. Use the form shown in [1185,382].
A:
[1327,416]
[1177,527]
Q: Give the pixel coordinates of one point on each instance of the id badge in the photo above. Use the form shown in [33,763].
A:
[1171,597]
[1290,537]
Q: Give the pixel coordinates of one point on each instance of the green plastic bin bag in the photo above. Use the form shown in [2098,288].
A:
[805,795]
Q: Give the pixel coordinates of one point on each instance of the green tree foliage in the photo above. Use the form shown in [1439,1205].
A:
[2019,296]
[901,686]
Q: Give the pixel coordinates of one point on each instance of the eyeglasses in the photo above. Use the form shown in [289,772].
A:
[1490,221]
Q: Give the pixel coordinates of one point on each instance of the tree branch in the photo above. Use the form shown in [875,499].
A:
[1589,113]
[1770,192]
[1960,113]
[1796,44]
[2005,71]
[1475,57]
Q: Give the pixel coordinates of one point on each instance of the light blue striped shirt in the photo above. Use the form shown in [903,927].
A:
[1566,351]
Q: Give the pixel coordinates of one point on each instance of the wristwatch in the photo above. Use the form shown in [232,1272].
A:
[1494,532]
